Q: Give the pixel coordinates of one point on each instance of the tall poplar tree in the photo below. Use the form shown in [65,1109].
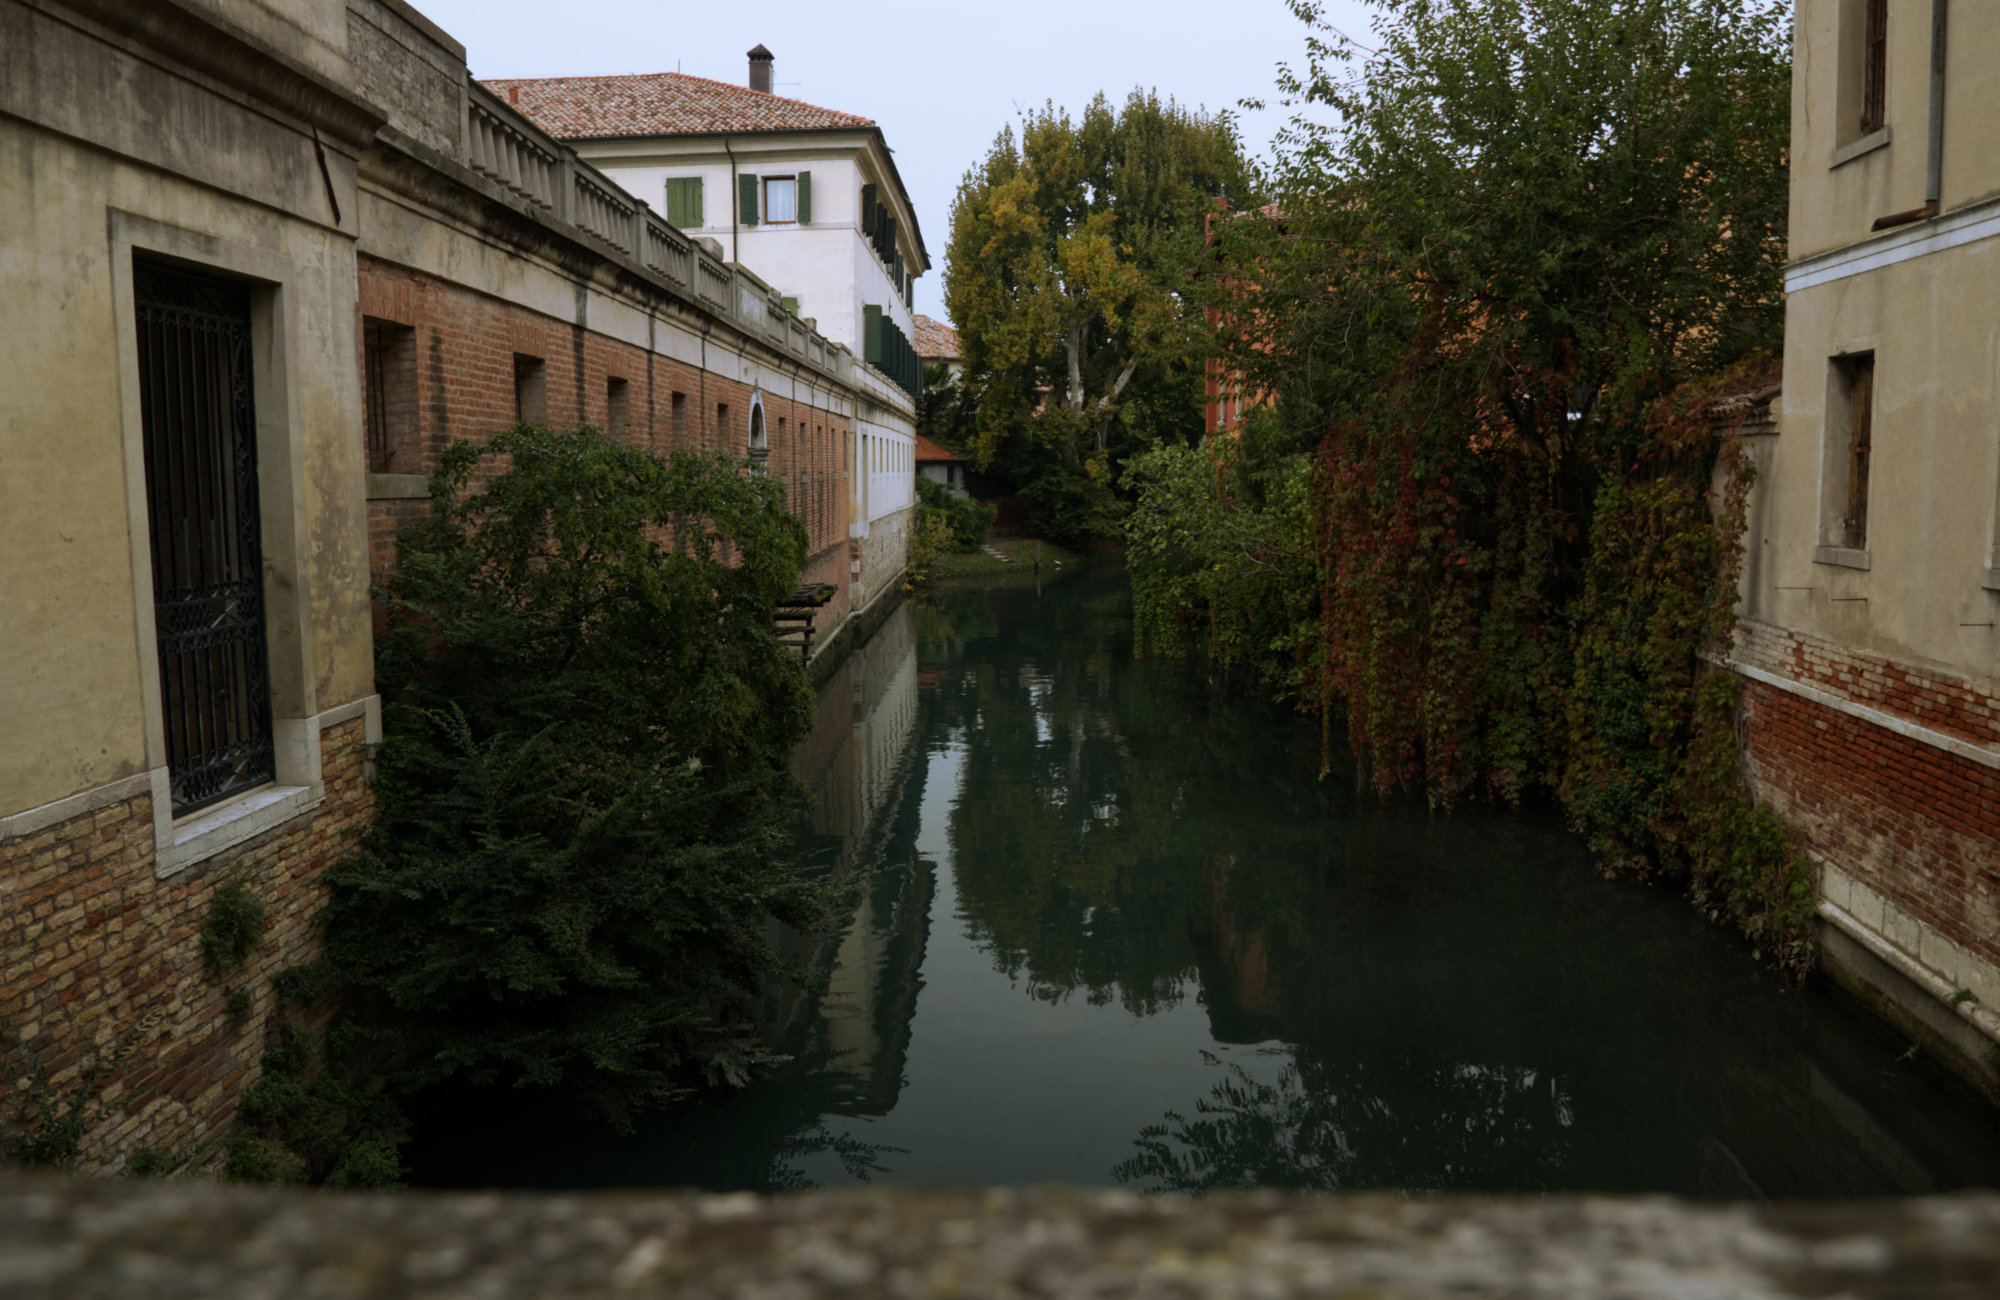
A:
[1072,246]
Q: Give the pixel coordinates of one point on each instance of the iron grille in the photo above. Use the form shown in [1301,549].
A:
[208,556]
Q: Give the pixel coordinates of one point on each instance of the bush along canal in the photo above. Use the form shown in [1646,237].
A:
[1113,929]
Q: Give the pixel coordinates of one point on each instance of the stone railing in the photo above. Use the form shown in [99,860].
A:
[511,151]
[178,1241]
[503,148]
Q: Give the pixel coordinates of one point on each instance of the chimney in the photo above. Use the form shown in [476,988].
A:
[760,69]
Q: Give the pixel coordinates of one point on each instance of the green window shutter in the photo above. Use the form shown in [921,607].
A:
[805,214]
[684,202]
[868,213]
[871,335]
[746,200]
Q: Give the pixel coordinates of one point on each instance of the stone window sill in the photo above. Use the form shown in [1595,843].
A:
[202,835]
[1867,144]
[398,487]
[1841,557]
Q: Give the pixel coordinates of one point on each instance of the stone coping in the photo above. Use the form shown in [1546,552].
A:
[85,1238]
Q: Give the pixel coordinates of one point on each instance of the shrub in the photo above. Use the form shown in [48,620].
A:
[232,929]
[967,520]
[583,788]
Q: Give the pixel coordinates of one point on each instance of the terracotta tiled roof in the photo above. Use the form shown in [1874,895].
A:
[936,341]
[928,451]
[659,103]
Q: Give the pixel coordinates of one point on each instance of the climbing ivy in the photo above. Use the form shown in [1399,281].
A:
[1491,315]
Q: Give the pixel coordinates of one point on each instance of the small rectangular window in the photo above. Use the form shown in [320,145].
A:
[618,409]
[1860,448]
[680,412]
[531,389]
[389,396]
[781,199]
[684,202]
[722,424]
[1875,67]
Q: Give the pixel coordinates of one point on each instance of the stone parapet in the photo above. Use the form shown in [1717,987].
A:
[167,1241]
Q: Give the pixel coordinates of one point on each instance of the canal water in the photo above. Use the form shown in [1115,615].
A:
[1113,929]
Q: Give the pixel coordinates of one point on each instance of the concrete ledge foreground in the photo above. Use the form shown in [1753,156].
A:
[83,1239]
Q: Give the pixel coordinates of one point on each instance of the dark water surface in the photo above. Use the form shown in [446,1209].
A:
[1121,934]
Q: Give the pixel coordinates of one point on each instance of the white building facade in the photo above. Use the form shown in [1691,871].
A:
[807,200]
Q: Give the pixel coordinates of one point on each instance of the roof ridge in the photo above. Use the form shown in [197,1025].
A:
[853,118]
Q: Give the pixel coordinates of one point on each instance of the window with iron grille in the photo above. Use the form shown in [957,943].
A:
[197,412]
[1875,67]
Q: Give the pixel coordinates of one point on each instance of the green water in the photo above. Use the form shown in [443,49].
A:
[1118,932]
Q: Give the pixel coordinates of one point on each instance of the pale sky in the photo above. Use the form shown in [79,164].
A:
[940,78]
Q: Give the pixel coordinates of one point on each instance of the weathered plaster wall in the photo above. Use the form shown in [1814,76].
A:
[73,682]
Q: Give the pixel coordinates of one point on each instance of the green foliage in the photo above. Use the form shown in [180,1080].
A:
[1218,544]
[239,1004]
[966,520]
[232,929]
[315,1116]
[930,543]
[49,1120]
[1072,250]
[947,413]
[1501,296]
[153,1162]
[583,784]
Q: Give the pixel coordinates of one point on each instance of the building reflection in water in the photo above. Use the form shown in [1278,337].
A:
[858,767]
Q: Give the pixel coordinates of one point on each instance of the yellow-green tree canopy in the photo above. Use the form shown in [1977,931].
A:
[1071,248]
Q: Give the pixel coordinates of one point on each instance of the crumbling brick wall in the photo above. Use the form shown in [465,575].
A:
[93,942]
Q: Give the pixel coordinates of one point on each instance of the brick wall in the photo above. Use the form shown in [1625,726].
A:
[1916,823]
[1937,700]
[91,942]
[465,345]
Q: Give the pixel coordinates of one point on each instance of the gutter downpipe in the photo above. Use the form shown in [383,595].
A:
[736,199]
[1934,160]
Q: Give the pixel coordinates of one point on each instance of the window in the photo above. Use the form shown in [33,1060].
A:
[531,389]
[1875,66]
[760,442]
[684,202]
[721,424]
[679,406]
[781,199]
[199,430]
[1860,376]
[389,393]
[618,409]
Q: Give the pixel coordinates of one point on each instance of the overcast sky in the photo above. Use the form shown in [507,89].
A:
[941,78]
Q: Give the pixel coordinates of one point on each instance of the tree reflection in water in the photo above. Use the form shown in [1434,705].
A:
[1456,1126]
[1100,897]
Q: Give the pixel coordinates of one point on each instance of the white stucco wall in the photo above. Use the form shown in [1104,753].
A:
[827,264]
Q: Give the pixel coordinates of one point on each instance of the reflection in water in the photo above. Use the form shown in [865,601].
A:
[1108,926]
